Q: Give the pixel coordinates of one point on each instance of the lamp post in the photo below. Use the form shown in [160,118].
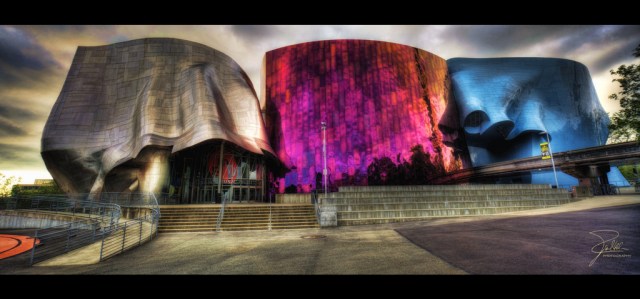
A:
[553,164]
[324,157]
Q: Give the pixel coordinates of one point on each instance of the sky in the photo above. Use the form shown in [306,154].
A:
[34,60]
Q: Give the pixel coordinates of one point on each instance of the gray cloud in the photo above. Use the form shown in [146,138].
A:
[577,36]
[24,156]
[9,128]
[492,39]
[613,58]
[8,111]
[19,50]
[23,62]
[503,39]
[13,120]
[254,31]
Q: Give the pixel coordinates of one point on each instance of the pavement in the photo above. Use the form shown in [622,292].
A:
[561,243]
[380,249]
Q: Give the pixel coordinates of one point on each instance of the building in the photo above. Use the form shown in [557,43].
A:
[378,100]
[38,185]
[508,105]
[157,115]
[178,118]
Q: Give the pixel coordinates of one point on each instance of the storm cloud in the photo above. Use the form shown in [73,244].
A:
[27,157]
[22,60]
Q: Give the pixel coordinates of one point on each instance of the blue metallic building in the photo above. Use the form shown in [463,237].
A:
[507,104]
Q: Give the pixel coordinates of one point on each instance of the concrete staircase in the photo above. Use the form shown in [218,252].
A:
[188,218]
[385,204]
[194,218]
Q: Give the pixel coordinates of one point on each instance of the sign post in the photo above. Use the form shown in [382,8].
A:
[324,157]
[545,147]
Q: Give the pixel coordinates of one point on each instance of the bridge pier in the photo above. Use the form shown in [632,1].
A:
[593,177]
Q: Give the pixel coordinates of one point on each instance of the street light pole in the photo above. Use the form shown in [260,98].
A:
[553,164]
[324,157]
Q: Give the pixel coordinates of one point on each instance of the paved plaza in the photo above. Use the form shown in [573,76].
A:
[553,240]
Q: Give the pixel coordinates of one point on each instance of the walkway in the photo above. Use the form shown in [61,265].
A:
[552,244]
[367,249]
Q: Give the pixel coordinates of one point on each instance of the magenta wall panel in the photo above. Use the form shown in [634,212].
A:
[378,99]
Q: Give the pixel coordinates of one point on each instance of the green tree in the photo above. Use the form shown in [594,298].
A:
[625,124]
[5,184]
[51,188]
[627,172]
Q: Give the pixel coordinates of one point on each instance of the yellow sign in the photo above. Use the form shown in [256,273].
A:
[544,148]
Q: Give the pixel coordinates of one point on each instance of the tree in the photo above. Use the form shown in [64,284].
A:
[6,183]
[379,172]
[421,168]
[625,124]
[291,189]
[628,172]
[50,188]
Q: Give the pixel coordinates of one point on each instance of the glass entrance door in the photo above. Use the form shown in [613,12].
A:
[211,171]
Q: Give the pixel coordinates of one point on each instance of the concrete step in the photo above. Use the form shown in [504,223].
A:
[265,211]
[177,223]
[187,225]
[189,211]
[444,205]
[450,212]
[275,218]
[170,216]
[187,230]
[237,217]
[385,204]
[346,189]
[425,198]
[296,227]
[392,194]
[188,218]
[381,220]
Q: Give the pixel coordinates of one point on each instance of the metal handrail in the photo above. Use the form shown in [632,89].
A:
[104,213]
[129,234]
[222,207]
[61,239]
[314,200]
[270,215]
[93,210]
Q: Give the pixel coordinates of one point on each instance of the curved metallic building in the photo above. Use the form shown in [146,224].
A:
[507,104]
[177,117]
[378,99]
[128,110]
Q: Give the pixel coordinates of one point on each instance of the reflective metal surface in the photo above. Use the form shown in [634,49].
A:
[378,99]
[124,108]
[506,103]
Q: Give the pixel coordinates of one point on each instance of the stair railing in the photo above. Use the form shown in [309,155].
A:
[224,204]
[270,215]
[314,200]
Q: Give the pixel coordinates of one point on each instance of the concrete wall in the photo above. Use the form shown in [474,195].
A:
[34,219]
[293,198]
[134,212]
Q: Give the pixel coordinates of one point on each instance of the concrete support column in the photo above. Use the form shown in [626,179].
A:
[590,176]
